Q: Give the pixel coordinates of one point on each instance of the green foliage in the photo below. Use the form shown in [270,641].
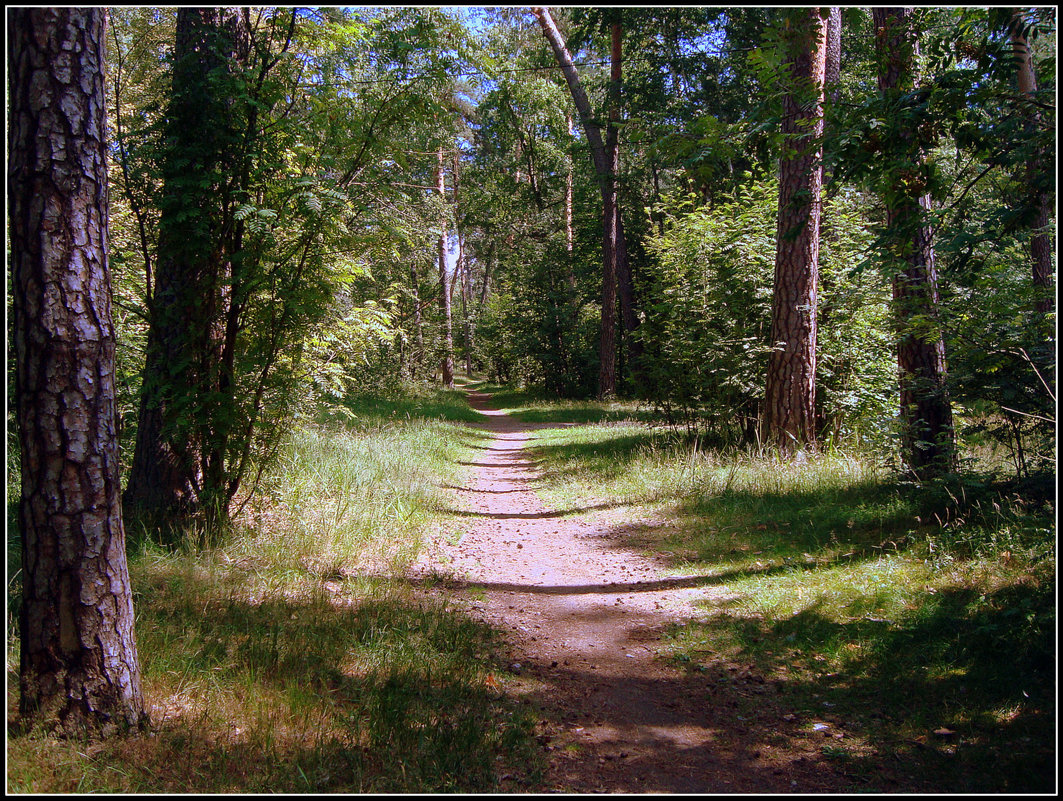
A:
[706,328]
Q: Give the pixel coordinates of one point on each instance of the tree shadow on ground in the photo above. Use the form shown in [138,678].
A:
[388,694]
[960,691]
[603,459]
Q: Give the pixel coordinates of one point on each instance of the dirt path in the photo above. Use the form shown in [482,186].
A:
[585,617]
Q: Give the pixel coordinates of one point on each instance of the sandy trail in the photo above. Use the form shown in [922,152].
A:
[585,616]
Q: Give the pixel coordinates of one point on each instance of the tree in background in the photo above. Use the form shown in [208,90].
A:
[927,436]
[790,397]
[445,280]
[78,667]
[605,157]
[177,468]
[1041,244]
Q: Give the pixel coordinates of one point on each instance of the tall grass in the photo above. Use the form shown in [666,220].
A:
[288,658]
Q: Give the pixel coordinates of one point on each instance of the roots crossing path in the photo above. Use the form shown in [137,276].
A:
[584,617]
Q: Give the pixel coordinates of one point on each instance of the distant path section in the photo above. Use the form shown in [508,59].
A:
[584,617]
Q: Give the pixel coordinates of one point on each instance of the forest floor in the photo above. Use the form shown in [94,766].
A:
[585,616]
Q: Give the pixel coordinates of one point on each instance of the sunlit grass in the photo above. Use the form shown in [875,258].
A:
[288,658]
[893,611]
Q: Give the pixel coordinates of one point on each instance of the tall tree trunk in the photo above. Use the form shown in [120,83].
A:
[466,304]
[489,269]
[417,354]
[447,359]
[827,231]
[1042,245]
[78,666]
[175,464]
[605,157]
[790,397]
[569,234]
[625,284]
[832,69]
[927,437]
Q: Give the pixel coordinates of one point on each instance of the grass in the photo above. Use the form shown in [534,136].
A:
[288,659]
[919,621]
[916,622]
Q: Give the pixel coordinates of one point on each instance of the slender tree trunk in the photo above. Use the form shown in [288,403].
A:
[1042,245]
[489,269]
[78,667]
[175,467]
[616,273]
[417,354]
[927,437]
[569,233]
[625,283]
[466,306]
[790,398]
[447,360]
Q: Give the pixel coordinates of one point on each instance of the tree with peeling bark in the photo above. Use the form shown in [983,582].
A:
[790,397]
[78,668]
[927,436]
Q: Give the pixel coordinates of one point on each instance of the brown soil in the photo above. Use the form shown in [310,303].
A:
[585,617]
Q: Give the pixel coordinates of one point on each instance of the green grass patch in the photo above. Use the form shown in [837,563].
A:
[415,402]
[918,621]
[532,406]
[289,658]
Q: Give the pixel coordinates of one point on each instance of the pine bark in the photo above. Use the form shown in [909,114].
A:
[790,397]
[177,469]
[1042,244]
[927,436]
[78,667]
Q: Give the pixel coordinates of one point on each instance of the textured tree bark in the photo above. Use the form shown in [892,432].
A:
[78,668]
[1042,245]
[447,359]
[790,397]
[927,436]
[832,72]
[192,320]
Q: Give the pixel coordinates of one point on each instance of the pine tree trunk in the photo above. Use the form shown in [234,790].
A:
[176,470]
[1042,245]
[78,666]
[790,398]
[927,437]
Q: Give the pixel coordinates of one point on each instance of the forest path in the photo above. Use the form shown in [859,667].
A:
[584,616]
